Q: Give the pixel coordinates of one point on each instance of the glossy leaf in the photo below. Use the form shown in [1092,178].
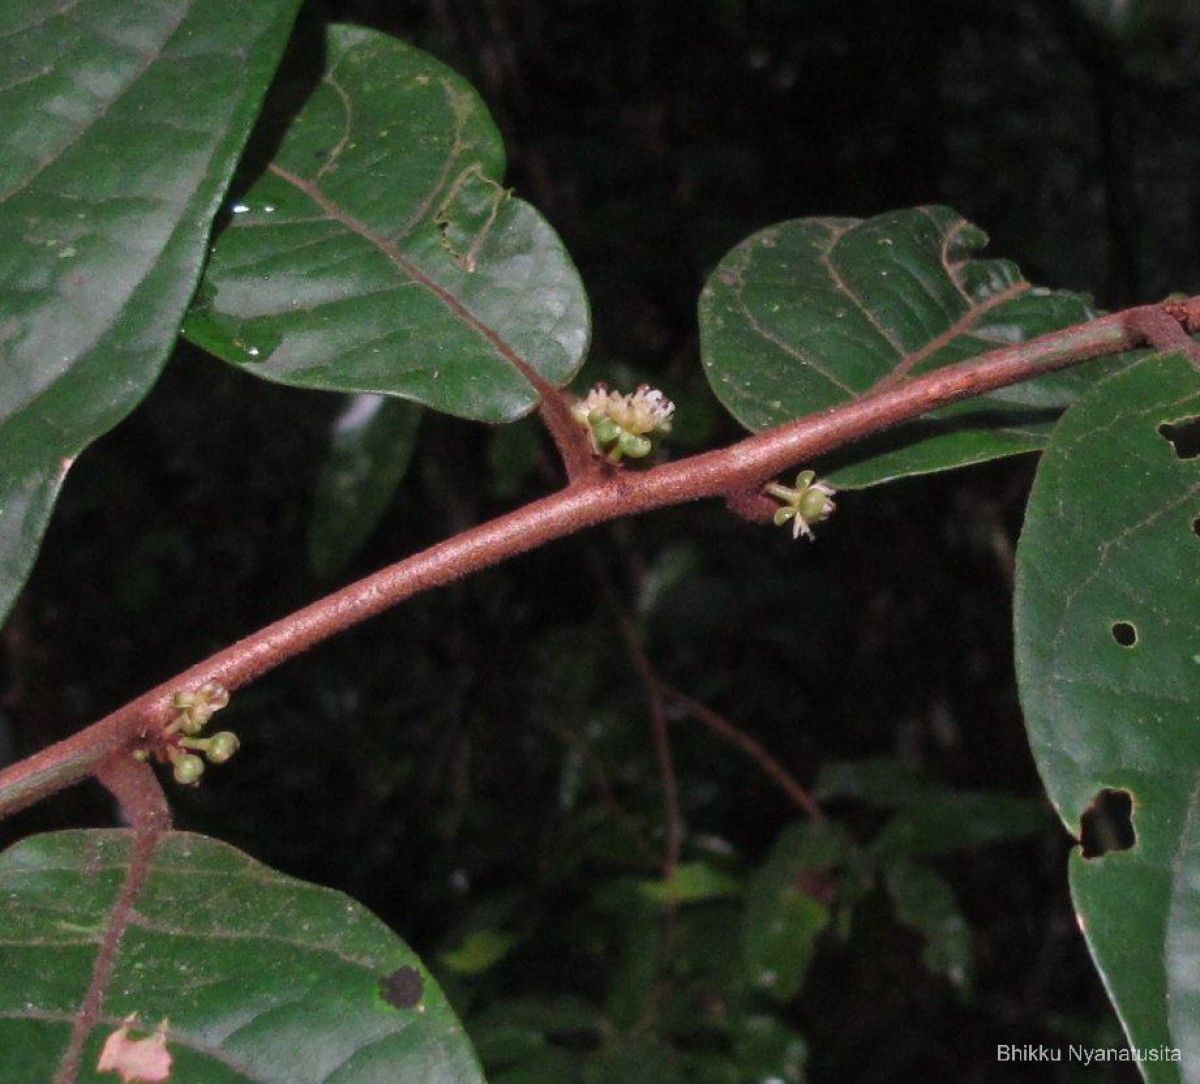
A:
[108,182]
[1108,655]
[813,312]
[379,252]
[261,977]
[372,446]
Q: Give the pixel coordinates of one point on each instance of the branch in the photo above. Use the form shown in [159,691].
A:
[1166,327]
[594,499]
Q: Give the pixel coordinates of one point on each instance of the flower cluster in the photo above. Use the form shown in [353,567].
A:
[195,710]
[806,503]
[624,425]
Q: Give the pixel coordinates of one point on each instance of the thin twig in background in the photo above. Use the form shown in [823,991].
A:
[723,728]
[673,816]
[604,788]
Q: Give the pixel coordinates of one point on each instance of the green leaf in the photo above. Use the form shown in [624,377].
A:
[552,1066]
[635,1060]
[1108,657]
[502,1045]
[373,441]
[931,819]
[786,908]
[945,820]
[693,882]
[766,1049]
[924,900]
[554,1017]
[814,312]
[108,182]
[478,951]
[380,253]
[882,782]
[634,966]
[512,458]
[262,977]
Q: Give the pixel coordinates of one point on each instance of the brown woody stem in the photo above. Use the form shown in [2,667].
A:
[591,499]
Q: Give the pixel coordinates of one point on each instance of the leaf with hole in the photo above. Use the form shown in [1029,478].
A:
[379,251]
[1108,658]
[258,976]
[108,182]
[814,312]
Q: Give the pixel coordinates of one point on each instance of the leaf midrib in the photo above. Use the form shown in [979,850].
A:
[457,309]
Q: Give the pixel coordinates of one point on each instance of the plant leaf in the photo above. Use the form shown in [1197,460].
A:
[947,820]
[814,312]
[478,951]
[1108,657]
[924,901]
[108,182]
[373,441]
[261,977]
[693,882]
[785,906]
[380,253]
[767,1049]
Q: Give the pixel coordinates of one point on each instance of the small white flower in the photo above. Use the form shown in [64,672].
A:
[621,425]
[806,503]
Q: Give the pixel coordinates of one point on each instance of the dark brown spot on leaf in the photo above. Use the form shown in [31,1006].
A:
[402,988]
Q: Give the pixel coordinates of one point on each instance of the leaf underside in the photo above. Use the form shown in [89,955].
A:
[379,251]
[1108,655]
[373,442]
[814,312]
[261,977]
[108,183]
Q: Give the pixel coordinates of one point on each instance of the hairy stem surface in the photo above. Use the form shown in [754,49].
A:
[591,499]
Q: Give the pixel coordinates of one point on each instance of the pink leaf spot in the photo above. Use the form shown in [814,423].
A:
[136,1059]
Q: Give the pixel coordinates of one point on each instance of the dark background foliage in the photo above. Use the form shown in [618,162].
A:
[482,758]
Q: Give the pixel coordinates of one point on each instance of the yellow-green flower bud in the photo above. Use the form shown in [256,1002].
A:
[805,503]
[188,768]
[222,746]
[624,425]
